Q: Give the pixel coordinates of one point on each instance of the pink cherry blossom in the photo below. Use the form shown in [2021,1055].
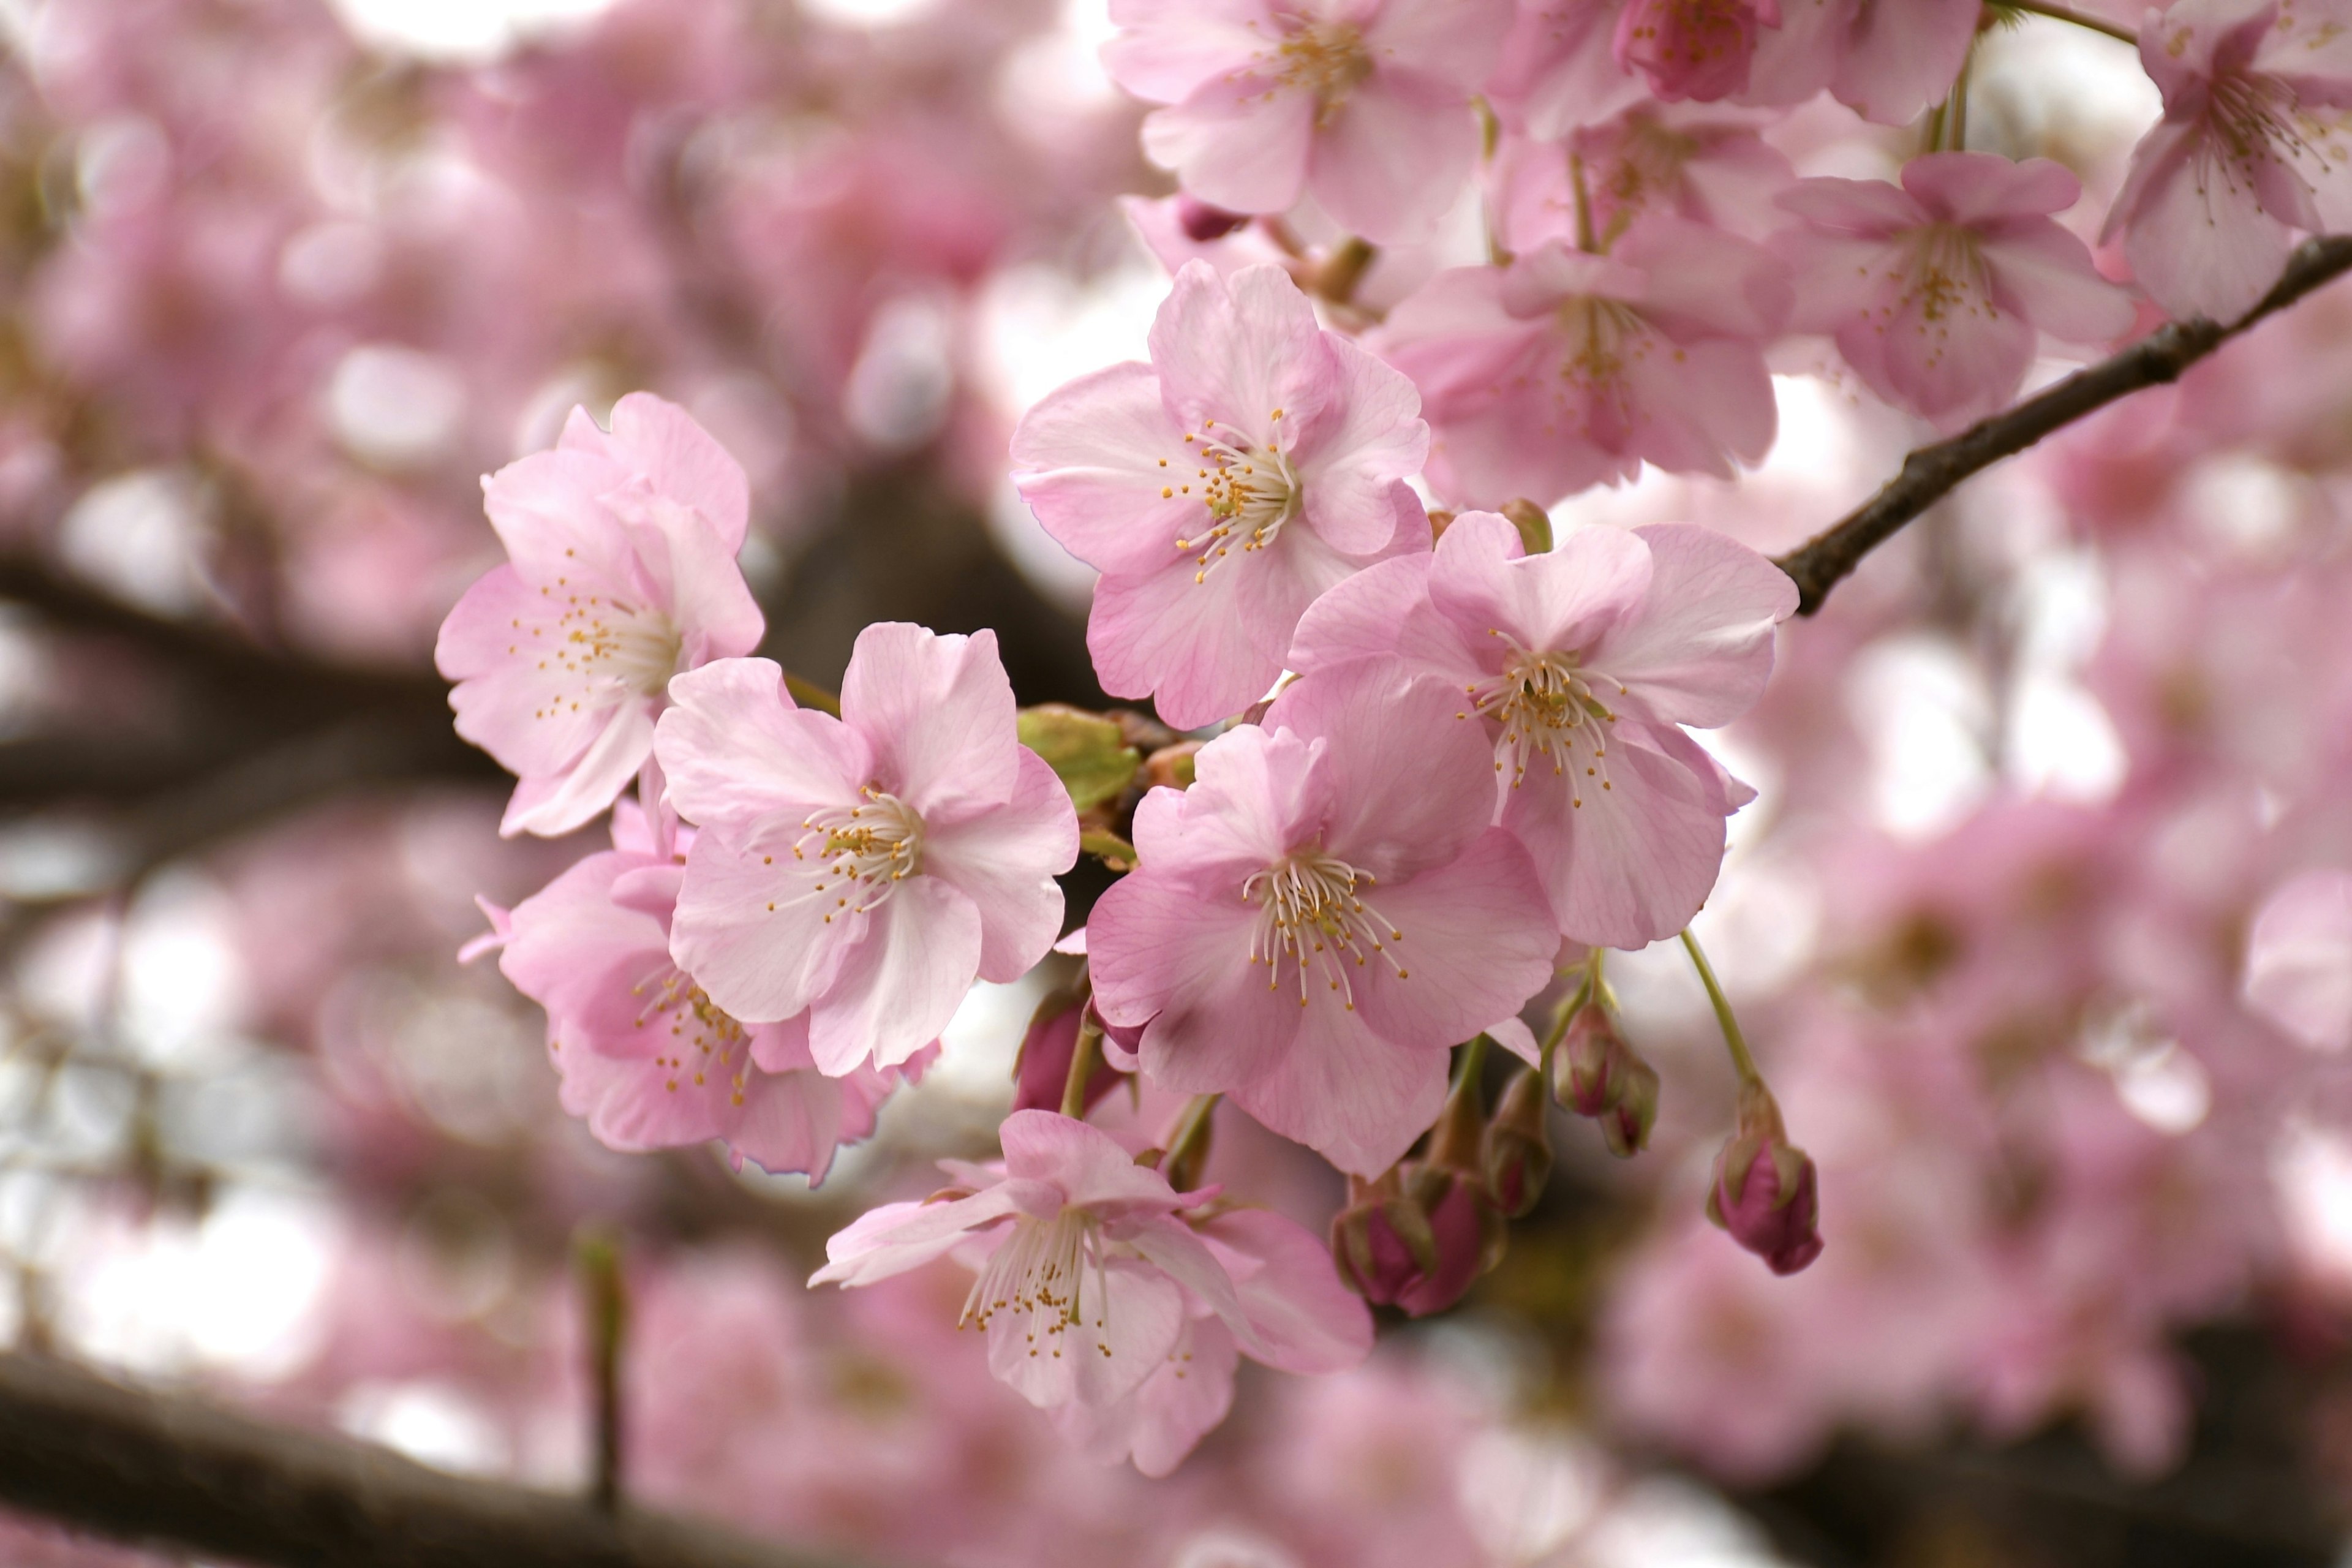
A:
[1342,852]
[1363,104]
[862,870]
[1256,460]
[1581,666]
[1936,291]
[2299,960]
[1888,60]
[2252,148]
[1692,48]
[621,573]
[1103,1297]
[1567,369]
[647,1059]
[1705,164]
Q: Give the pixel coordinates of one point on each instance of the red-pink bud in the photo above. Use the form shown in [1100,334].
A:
[1415,1241]
[1598,1075]
[1625,1126]
[1043,1066]
[1202,222]
[1766,1192]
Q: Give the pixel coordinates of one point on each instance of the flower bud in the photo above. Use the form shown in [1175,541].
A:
[1533,523]
[1519,1146]
[1765,1191]
[1202,222]
[1416,1239]
[1042,1068]
[1598,1075]
[1171,766]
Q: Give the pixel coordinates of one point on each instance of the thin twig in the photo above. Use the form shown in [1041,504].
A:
[2058,13]
[1932,472]
[604,1305]
[170,1471]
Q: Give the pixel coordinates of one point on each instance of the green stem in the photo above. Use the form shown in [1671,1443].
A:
[1473,1062]
[1957,121]
[1082,1063]
[1586,993]
[1185,1145]
[1338,276]
[1733,1040]
[1584,237]
[2058,13]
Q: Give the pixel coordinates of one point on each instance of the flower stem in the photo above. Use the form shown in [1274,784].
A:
[1188,1145]
[1957,121]
[1733,1040]
[809,694]
[1586,993]
[2058,13]
[1082,1063]
[1336,281]
[1584,238]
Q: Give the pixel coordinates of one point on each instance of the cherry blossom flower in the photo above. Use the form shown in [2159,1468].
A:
[1888,60]
[2251,148]
[1705,164]
[1364,104]
[862,870]
[1567,369]
[1256,460]
[1323,914]
[647,1059]
[1581,666]
[1935,291]
[621,573]
[1692,48]
[1105,1295]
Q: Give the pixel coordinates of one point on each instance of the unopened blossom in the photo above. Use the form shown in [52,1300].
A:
[1362,104]
[1888,60]
[1692,48]
[1706,163]
[1936,292]
[862,870]
[1323,914]
[1256,461]
[1600,1075]
[649,1060]
[2299,960]
[1765,1192]
[1413,1240]
[621,573]
[2252,150]
[1103,1296]
[1566,370]
[1577,670]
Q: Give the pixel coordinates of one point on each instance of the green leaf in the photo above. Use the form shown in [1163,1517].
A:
[1087,751]
[1110,848]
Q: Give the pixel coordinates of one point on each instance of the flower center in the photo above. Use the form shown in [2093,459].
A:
[614,650]
[1309,914]
[1040,1272]
[1944,280]
[703,1040]
[1544,703]
[1328,59]
[1250,491]
[2257,121]
[860,852]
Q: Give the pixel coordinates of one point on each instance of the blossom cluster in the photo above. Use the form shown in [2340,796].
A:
[1436,764]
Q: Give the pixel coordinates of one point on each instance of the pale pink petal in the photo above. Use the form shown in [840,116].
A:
[1303,1318]
[552,807]
[1565,598]
[660,441]
[1380,612]
[2299,960]
[734,747]
[896,1238]
[1088,1166]
[1160,1423]
[1234,352]
[936,714]
[548,510]
[1475,945]
[1091,459]
[1390,162]
[750,929]
[1355,1099]
[2045,275]
[1515,1036]
[1239,142]
[1899,60]
[1699,648]
[899,985]
[1356,461]
[2199,240]
[1164,52]
[1005,860]
[1103,1356]
[1254,791]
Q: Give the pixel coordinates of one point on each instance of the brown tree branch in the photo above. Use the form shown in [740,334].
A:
[1932,472]
[169,1471]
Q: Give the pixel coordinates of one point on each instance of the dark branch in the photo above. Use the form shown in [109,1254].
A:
[1931,472]
[166,1470]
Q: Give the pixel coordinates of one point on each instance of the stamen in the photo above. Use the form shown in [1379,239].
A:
[859,853]
[1309,912]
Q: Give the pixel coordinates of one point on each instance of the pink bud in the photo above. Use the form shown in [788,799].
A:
[1202,222]
[1415,1241]
[1625,1126]
[1518,1146]
[1600,1076]
[1043,1066]
[1765,1190]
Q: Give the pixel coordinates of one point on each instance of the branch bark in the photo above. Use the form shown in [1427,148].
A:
[164,1470]
[1932,472]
